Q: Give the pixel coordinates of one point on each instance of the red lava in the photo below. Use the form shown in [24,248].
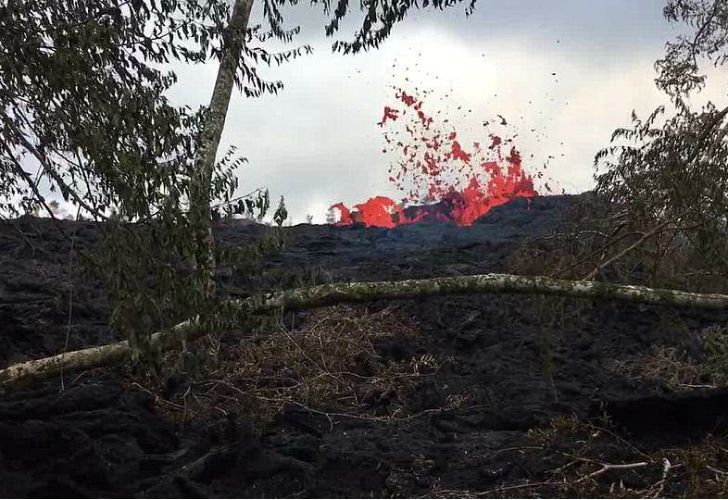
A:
[443,181]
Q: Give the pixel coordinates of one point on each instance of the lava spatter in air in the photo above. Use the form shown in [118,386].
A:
[441,179]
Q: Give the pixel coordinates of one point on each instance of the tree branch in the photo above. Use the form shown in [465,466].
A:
[625,251]
[65,189]
[338,293]
[609,467]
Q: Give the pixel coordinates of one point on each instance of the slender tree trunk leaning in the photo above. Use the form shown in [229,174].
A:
[337,293]
[210,141]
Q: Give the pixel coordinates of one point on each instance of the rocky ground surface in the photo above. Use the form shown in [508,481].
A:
[515,366]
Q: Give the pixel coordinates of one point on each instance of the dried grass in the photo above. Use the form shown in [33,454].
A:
[343,362]
[674,367]
[575,459]
[669,365]
[590,460]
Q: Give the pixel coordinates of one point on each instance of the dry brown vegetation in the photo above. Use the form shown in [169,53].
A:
[342,362]
[590,460]
[680,369]
[614,247]
[575,459]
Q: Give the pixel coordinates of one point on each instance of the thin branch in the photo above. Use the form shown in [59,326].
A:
[500,489]
[610,467]
[41,157]
[34,187]
[69,323]
[627,250]
[660,485]
[601,250]
[694,45]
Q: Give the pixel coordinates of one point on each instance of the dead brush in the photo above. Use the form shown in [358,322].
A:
[673,365]
[603,242]
[573,458]
[590,460]
[342,362]
[669,365]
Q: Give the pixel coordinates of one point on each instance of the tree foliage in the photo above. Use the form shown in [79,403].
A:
[666,178]
[679,72]
[83,112]
[659,213]
[379,17]
[82,99]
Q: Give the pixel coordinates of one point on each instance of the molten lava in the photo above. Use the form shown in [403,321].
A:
[442,180]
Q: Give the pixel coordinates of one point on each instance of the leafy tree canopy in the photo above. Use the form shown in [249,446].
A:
[666,177]
[679,72]
[82,99]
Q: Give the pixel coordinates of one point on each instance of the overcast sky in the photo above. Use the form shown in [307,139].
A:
[318,142]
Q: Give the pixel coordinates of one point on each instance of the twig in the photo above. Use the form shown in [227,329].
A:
[463,493]
[27,240]
[620,439]
[601,250]
[666,467]
[512,448]
[717,471]
[624,252]
[157,397]
[70,293]
[233,200]
[698,386]
[605,467]
[65,189]
[39,197]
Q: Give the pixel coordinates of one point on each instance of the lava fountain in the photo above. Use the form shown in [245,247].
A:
[441,180]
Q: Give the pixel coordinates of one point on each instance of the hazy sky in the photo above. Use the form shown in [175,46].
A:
[318,142]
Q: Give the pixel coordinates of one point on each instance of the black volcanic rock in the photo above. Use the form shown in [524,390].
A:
[515,364]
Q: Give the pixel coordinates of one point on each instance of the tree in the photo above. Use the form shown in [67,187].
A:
[83,112]
[679,71]
[664,181]
[89,115]
[81,95]
[83,103]
[209,142]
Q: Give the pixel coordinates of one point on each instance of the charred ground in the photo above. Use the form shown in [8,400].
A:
[518,395]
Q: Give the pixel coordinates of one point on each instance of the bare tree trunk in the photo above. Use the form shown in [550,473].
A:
[337,293]
[210,141]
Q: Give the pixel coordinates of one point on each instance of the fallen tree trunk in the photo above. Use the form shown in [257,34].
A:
[338,293]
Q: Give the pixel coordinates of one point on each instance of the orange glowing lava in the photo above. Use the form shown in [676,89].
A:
[441,179]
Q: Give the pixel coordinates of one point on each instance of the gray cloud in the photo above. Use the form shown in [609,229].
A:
[605,23]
